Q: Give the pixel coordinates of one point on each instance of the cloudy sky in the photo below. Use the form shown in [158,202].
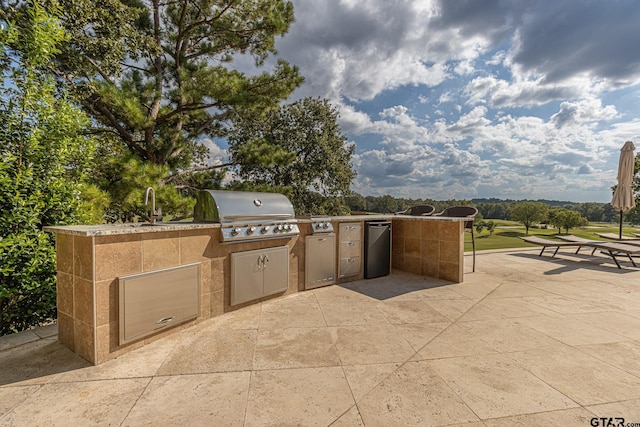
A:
[476,98]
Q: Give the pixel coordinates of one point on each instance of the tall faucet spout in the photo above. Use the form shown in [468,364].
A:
[152,217]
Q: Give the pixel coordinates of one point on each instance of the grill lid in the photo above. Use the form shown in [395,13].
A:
[229,207]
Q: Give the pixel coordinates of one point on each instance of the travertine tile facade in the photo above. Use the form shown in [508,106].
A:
[429,248]
[90,265]
[88,268]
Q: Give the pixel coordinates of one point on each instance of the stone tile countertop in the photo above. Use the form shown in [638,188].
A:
[144,227]
[389,217]
[127,228]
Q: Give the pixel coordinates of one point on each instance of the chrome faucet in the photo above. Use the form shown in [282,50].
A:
[155,214]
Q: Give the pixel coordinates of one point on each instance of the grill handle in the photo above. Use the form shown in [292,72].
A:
[165,320]
[258,217]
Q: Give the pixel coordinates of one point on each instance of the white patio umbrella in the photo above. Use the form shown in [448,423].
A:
[623,195]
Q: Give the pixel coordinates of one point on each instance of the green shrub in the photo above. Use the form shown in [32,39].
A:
[27,272]
[43,162]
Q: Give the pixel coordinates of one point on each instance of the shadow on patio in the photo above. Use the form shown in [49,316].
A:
[524,340]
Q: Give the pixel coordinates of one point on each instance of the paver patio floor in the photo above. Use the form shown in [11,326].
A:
[525,340]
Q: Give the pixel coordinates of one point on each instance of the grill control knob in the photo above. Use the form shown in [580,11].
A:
[264,229]
[250,230]
[279,227]
[235,231]
[326,225]
[287,227]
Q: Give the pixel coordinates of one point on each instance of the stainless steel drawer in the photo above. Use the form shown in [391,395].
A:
[350,249]
[350,266]
[350,231]
[149,302]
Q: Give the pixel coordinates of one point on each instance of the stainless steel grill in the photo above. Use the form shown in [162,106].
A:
[246,216]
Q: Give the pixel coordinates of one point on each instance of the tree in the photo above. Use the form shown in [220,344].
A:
[489,225]
[43,163]
[495,210]
[169,79]
[125,178]
[633,216]
[307,152]
[566,218]
[356,202]
[591,211]
[528,213]
[382,204]
[158,77]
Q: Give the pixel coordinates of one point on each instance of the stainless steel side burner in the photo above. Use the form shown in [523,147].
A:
[321,225]
[246,216]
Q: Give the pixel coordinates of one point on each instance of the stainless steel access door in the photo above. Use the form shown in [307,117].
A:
[259,273]
[320,260]
[149,302]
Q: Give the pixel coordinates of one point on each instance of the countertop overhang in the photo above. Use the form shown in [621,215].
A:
[143,227]
[127,228]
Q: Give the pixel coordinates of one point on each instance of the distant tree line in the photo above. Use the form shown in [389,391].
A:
[487,208]
[592,211]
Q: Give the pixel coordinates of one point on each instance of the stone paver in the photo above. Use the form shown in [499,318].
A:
[525,340]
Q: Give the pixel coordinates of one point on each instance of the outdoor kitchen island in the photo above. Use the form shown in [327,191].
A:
[94,261]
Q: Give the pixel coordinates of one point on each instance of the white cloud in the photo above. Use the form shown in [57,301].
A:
[500,93]
[586,170]
[354,122]
[584,111]
[464,99]
[217,155]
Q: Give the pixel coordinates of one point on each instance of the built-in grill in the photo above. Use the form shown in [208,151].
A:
[246,216]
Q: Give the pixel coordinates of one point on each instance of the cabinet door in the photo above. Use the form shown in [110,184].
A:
[276,270]
[246,276]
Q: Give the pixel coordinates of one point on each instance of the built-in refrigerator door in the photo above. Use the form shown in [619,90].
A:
[377,249]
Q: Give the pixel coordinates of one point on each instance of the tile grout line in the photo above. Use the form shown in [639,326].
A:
[344,374]
[137,400]
[252,371]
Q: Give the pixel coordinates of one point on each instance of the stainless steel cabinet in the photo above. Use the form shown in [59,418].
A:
[259,273]
[149,302]
[320,260]
[350,252]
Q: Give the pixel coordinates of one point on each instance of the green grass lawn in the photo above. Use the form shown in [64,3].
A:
[507,234]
